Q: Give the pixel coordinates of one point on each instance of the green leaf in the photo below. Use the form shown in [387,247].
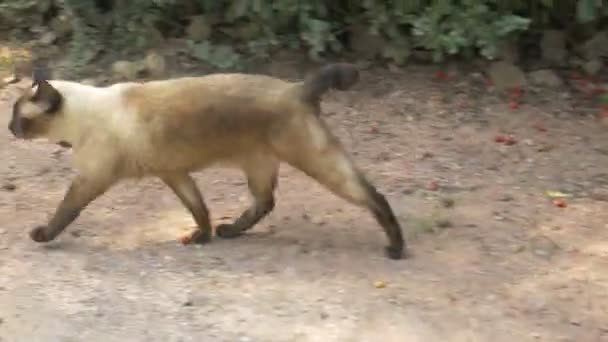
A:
[585,11]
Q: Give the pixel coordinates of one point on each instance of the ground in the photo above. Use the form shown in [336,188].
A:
[492,258]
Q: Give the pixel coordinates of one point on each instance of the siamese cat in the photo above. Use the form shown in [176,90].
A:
[172,128]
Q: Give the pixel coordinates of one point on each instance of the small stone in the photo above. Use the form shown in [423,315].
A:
[408,191]
[199,28]
[443,223]
[506,198]
[155,64]
[545,78]
[426,155]
[89,81]
[9,187]
[592,67]
[316,220]
[125,70]
[48,38]
[519,249]
[188,303]
[536,304]
[447,202]
[542,246]
[596,47]
[528,142]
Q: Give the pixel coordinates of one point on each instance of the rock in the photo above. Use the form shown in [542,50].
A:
[155,64]
[89,81]
[596,47]
[48,38]
[536,304]
[125,70]
[505,76]
[447,202]
[593,66]
[553,47]
[543,247]
[506,198]
[199,28]
[545,78]
[443,223]
[9,187]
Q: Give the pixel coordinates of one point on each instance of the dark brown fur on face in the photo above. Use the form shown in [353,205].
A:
[172,128]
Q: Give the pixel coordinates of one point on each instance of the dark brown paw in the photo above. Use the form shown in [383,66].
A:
[228,231]
[394,253]
[197,236]
[40,234]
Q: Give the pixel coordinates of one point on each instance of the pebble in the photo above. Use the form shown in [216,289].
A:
[444,223]
[9,187]
[542,246]
[506,198]
[447,202]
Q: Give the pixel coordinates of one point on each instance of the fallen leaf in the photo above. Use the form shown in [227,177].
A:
[556,194]
[379,284]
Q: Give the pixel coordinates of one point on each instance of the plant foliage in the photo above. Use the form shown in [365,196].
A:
[256,28]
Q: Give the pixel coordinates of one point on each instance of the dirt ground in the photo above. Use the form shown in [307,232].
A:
[492,258]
